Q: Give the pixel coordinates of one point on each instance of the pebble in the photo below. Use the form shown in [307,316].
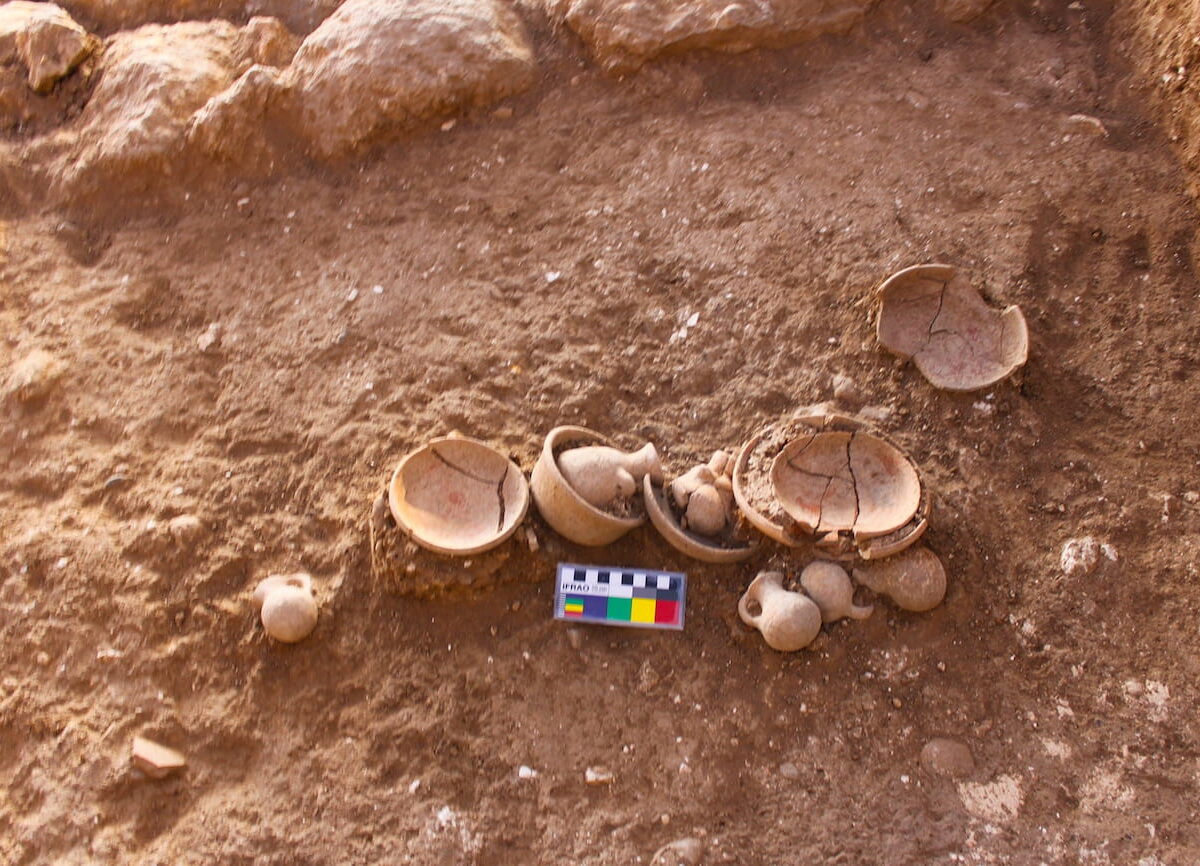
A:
[598,776]
[681,852]
[210,338]
[575,638]
[504,112]
[156,760]
[789,771]
[1079,556]
[186,529]
[1087,123]
[524,772]
[844,389]
[945,757]
[35,375]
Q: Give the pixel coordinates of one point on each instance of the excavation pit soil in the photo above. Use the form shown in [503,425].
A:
[227,356]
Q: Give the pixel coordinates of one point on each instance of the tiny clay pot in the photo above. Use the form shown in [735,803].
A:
[287,607]
[603,475]
[915,579]
[789,621]
[829,586]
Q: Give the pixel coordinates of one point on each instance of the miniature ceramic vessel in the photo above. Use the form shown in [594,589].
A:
[938,320]
[704,496]
[287,607]
[829,586]
[663,516]
[789,621]
[457,495]
[563,508]
[604,476]
[915,579]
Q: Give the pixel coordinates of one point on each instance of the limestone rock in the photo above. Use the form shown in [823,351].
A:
[300,16]
[232,126]
[623,34]
[376,66]
[44,39]
[266,41]
[153,80]
[944,757]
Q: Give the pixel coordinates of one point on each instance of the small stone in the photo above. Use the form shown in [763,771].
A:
[1089,124]
[504,112]
[45,39]
[34,375]
[789,771]
[1080,556]
[210,338]
[575,638]
[945,757]
[599,776]
[186,529]
[681,852]
[524,772]
[531,540]
[1191,497]
[897,703]
[845,391]
[156,760]
[877,414]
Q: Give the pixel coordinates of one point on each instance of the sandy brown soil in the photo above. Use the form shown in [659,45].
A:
[768,193]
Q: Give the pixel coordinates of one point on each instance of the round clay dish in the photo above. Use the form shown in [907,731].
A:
[959,342]
[662,515]
[458,496]
[839,481]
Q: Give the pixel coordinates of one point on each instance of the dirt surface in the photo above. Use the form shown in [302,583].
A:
[262,356]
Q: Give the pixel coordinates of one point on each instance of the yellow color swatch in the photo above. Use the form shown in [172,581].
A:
[643,610]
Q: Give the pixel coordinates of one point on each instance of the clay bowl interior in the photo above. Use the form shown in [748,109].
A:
[662,515]
[565,510]
[841,480]
[458,496]
[957,340]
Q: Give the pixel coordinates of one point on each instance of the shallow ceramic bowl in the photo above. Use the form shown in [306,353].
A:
[933,316]
[846,481]
[782,527]
[565,510]
[662,515]
[458,496]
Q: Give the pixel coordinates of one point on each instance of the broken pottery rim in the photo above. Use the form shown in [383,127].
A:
[512,470]
[943,273]
[663,517]
[579,520]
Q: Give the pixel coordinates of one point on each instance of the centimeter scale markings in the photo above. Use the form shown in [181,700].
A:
[608,595]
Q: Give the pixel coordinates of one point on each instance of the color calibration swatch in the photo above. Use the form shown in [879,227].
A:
[620,596]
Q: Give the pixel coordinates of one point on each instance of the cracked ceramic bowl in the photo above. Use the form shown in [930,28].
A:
[458,496]
[565,510]
[932,316]
[754,491]
[845,481]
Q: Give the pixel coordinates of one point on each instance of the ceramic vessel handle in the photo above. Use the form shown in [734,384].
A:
[748,618]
